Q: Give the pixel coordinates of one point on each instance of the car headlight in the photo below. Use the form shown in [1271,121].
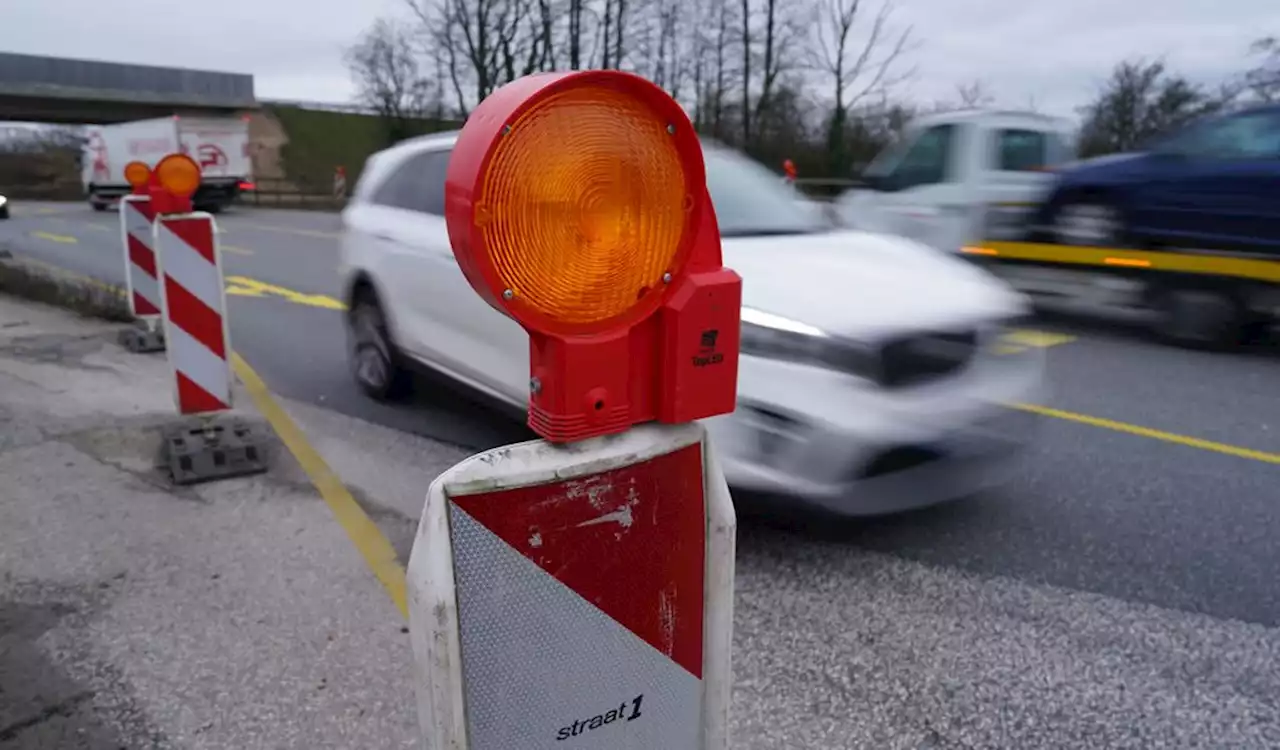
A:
[775,337]
[3,200]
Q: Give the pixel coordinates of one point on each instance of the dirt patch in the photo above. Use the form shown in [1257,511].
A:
[41,706]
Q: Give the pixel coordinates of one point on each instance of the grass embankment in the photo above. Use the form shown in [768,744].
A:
[320,140]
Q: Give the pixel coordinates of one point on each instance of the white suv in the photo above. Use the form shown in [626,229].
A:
[870,382]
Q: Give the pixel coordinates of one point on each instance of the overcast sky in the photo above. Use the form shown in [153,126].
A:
[1055,54]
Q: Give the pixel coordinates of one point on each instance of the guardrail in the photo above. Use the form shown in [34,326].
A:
[825,188]
[285,194]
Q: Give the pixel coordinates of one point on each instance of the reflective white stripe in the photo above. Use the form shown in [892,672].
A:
[186,266]
[137,225]
[142,233]
[203,367]
[146,286]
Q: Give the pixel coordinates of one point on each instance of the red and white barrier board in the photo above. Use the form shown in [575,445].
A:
[577,596]
[195,323]
[141,276]
[339,182]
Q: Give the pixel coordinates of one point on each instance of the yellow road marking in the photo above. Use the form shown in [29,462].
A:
[1022,339]
[1037,339]
[1147,432]
[38,210]
[373,546]
[247,287]
[61,238]
[294,230]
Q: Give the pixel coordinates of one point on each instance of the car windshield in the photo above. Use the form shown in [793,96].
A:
[751,201]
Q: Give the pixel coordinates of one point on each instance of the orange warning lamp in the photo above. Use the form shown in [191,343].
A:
[174,180]
[577,205]
[138,175]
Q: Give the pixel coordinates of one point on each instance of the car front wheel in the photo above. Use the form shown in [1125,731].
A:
[373,358]
[1199,318]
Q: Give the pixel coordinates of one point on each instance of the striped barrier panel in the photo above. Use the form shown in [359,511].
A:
[576,598]
[141,275]
[195,323]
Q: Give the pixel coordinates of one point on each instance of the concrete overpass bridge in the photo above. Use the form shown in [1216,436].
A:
[62,90]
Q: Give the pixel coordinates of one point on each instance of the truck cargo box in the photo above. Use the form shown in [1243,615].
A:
[219,144]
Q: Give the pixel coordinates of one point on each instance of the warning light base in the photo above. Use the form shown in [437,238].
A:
[203,450]
[145,337]
[616,557]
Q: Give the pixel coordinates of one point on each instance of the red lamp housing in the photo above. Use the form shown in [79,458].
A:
[172,183]
[577,205]
[138,175]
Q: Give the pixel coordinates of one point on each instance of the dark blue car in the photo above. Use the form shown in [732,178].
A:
[1213,185]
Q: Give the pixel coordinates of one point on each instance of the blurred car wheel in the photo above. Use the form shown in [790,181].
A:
[374,362]
[1199,318]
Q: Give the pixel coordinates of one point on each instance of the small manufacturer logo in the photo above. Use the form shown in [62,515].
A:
[211,156]
[707,354]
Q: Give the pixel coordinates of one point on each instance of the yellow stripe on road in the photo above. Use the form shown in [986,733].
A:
[1037,339]
[368,539]
[295,230]
[64,239]
[244,286]
[36,210]
[1021,340]
[1147,432]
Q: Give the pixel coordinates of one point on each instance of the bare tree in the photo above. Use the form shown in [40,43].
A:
[974,94]
[1263,81]
[745,41]
[856,74]
[1140,100]
[385,68]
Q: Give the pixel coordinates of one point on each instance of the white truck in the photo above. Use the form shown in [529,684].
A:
[955,178]
[219,144]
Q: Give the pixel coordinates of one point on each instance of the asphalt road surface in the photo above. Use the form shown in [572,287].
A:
[1116,500]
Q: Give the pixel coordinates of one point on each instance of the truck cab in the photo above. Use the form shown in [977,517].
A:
[955,178]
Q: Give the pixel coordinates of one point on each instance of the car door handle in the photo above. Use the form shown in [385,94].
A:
[383,236]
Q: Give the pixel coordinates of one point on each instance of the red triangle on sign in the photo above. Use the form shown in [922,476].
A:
[192,399]
[632,541]
[196,232]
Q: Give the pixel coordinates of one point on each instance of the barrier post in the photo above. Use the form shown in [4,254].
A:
[339,183]
[142,280]
[195,329]
[577,590]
